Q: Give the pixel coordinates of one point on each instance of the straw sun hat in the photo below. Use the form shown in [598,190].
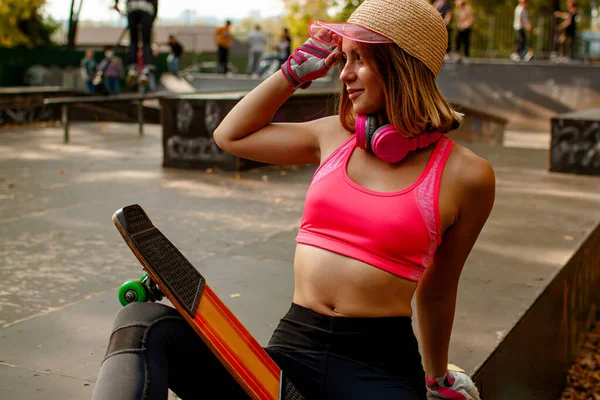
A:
[414,25]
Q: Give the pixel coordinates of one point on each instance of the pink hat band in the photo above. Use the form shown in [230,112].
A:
[347,30]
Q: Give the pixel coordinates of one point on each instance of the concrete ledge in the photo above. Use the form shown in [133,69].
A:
[479,126]
[532,360]
[25,105]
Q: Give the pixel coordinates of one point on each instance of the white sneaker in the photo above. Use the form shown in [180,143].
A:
[143,80]
[528,56]
[515,57]
[97,78]
[131,77]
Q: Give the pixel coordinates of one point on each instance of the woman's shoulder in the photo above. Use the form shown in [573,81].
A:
[330,132]
[324,124]
[471,172]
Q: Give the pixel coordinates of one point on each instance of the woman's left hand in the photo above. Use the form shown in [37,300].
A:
[310,61]
[454,385]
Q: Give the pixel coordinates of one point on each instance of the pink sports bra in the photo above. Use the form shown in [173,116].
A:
[397,231]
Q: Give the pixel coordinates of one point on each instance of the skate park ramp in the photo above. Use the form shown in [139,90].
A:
[527,94]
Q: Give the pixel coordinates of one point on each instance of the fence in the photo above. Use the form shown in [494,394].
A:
[493,36]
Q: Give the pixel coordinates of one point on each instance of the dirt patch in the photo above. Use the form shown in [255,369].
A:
[583,379]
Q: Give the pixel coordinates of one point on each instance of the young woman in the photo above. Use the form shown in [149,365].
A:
[567,30]
[284,46]
[464,21]
[392,213]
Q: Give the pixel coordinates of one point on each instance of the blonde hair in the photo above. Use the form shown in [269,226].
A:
[413,101]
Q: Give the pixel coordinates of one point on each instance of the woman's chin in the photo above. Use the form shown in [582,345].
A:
[360,109]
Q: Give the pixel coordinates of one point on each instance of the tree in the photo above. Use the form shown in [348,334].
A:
[73,23]
[300,13]
[21,24]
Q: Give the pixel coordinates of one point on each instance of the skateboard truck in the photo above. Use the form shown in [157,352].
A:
[140,291]
[153,289]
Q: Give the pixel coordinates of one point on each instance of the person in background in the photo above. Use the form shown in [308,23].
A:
[445,9]
[111,71]
[521,26]
[568,29]
[256,40]
[224,41]
[140,14]
[464,20]
[175,55]
[140,68]
[88,70]
[284,46]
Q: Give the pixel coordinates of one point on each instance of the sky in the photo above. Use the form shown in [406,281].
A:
[100,10]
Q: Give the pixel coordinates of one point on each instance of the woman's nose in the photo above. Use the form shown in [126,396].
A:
[347,74]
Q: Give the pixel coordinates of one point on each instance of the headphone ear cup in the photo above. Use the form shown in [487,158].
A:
[388,145]
[371,126]
[360,128]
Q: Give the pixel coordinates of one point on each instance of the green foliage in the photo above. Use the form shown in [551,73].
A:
[300,13]
[346,9]
[21,24]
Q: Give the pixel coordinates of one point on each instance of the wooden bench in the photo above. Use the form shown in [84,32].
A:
[81,101]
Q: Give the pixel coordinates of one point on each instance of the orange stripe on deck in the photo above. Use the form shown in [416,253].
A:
[237,347]
[246,378]
[242,331]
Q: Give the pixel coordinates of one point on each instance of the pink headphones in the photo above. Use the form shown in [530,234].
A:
[385,142]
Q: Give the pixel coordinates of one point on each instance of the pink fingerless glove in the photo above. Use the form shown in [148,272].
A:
[453,386]
[306,64]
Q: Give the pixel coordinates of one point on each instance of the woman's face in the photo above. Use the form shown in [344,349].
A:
[359,79]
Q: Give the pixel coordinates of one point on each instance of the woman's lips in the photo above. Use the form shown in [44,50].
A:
[354,94]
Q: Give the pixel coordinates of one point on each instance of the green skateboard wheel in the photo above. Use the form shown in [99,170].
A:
[131,292]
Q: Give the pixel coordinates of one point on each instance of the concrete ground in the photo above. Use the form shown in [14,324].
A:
[62,260]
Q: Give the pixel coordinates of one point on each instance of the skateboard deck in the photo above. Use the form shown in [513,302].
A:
[175,277]
[176,84]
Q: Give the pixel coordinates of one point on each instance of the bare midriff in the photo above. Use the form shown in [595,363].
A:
[335,285]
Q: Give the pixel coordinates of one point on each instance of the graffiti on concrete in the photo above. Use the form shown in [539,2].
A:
[212,116]
[25,115]
[576,144]
[194,149]
[185,116]
[193,142]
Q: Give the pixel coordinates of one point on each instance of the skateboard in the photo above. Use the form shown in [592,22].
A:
[176,84]
[168,273]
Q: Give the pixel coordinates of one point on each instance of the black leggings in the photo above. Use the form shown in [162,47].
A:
[223,64]
[140,21]
[520,41]
[152,348]
[463,39]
